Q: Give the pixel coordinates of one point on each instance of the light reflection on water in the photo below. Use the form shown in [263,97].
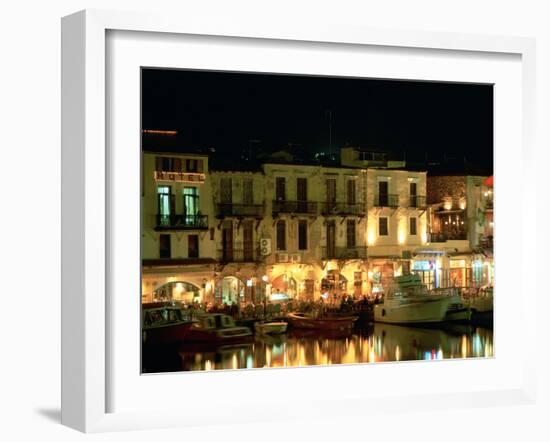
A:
[375,343]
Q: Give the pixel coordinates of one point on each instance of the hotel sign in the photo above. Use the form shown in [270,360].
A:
[180,177]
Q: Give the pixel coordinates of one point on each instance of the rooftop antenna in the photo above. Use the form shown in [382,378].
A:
[329,114]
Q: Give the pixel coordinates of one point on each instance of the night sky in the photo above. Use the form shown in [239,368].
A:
[225,111]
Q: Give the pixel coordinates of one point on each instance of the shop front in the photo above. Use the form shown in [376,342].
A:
[381,274]
[333,285]
[230,289]
[182,291]
[429,267]
[283,288]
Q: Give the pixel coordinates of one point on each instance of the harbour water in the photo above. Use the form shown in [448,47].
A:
[365,344]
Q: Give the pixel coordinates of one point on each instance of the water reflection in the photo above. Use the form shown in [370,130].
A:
[374,343]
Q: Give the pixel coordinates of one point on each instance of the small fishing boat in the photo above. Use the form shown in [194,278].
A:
[270,327]
[163,323]
[217,328]
[301,320]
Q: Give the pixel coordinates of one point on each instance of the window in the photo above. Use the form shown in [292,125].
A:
[412,226]
[350,233]
[190,202]
[281,235]
[226,190]
[331,190]
[164,246]
[193,246]
[165,205]
[248,195]
[350,192]
[280,191]
[383,226]
[383,193]
[191,166]
[412,193]
[302,235]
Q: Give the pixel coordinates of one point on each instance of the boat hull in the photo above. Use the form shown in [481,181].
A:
[166,334]
[220,336]
[425,311]
[271,328]
[329,323]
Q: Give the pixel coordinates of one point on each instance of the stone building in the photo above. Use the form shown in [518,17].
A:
[293,231]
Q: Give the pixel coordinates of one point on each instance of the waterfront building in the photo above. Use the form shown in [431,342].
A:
[178,254]
[459,251]
[285,230]
[397,213]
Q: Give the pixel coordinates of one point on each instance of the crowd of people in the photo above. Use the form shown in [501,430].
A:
[269,309]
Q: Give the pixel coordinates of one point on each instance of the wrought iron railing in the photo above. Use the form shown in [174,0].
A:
[182,222]
[240,210]
[301,207]
[417,201]
[334,208]
[386,200]
[442,237]
[238,252]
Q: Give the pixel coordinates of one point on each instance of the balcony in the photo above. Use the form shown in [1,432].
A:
[181,222]
[449,236]
[238,253]
[417,201]
[358,252]
[342,209]
[386,200]
[224,210]
[295,207]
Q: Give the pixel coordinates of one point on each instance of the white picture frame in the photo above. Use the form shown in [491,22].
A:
[86,316]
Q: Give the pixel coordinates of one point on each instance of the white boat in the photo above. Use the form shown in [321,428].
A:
[270,328]
[408,301]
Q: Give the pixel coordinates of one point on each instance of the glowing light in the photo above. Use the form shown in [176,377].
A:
[160,132]
[265,278]
[401,236]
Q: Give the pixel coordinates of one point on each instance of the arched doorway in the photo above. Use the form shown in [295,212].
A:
[230,289]
[283,288]
[334,283]
[177,291]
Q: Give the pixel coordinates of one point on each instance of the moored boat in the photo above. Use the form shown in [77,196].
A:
[217,328]
[270,327]
[301,320]
[164,323]
[482,305]
[458,312]
[408,301]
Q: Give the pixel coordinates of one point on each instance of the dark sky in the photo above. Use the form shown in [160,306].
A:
[226,110]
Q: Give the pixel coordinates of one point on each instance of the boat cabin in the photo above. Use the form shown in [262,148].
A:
[215,321]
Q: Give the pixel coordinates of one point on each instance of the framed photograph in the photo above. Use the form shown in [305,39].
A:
[249,211]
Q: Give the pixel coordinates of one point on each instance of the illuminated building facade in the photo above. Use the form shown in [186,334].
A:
[460,232]
[286,231]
